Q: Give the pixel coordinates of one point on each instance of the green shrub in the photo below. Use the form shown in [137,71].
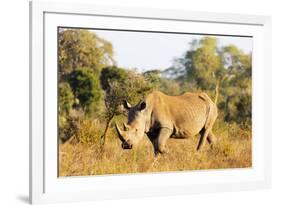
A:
[66,128]
[66,98]
[86,86]
[88,131]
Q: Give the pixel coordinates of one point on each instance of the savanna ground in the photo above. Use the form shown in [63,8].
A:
[232,150]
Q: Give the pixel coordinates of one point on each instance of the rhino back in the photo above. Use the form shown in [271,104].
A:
[186,114]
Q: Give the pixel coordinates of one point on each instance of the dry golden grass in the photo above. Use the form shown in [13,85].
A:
[233,150]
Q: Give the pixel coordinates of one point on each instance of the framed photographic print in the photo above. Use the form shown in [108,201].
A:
[129,102]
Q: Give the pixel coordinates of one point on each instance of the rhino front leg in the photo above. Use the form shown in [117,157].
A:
[160,142]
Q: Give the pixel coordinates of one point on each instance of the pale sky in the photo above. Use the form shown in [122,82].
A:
[146,51]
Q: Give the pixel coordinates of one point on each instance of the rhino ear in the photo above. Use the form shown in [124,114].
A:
[142,105]
[126,105]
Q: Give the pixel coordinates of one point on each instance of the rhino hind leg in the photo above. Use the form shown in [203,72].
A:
[203,138]
[211,138]
[206,133]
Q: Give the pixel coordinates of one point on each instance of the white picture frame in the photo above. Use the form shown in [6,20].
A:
[46,187]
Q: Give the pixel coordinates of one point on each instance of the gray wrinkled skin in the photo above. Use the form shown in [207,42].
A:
[161,117]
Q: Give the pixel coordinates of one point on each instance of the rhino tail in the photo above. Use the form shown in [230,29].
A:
[211,114]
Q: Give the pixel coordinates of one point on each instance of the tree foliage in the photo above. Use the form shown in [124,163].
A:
[89,79]
[223,72]
[86,86]
[82,48]
[153,77]
[119,85]
[112,73]
[66,98]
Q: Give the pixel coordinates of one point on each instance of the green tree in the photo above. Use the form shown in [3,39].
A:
[112,73]
[206,66]
[66,101]
[223,72]
[201,67]
[237,89]
[66,98]
[153,77]
[205,62]
[86,87]
[235,59]
[170,86]
[82,48]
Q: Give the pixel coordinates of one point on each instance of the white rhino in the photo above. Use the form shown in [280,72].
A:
[162,117]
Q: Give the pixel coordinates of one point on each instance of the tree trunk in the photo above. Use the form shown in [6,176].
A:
[103,137]
[217,91]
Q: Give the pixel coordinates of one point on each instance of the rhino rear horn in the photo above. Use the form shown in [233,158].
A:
[126,105]
[126,127]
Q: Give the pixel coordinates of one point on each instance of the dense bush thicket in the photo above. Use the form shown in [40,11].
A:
[91,84]
[85,86]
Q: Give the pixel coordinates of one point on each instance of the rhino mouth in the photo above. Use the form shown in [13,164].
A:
[125,145]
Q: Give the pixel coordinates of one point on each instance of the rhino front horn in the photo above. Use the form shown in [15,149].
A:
[119,133]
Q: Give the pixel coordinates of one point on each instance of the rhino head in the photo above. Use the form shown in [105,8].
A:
[133,131]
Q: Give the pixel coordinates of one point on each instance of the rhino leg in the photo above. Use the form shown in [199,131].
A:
[206,134]
[211,138]
[207,130]
[160,141]
[202,139]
